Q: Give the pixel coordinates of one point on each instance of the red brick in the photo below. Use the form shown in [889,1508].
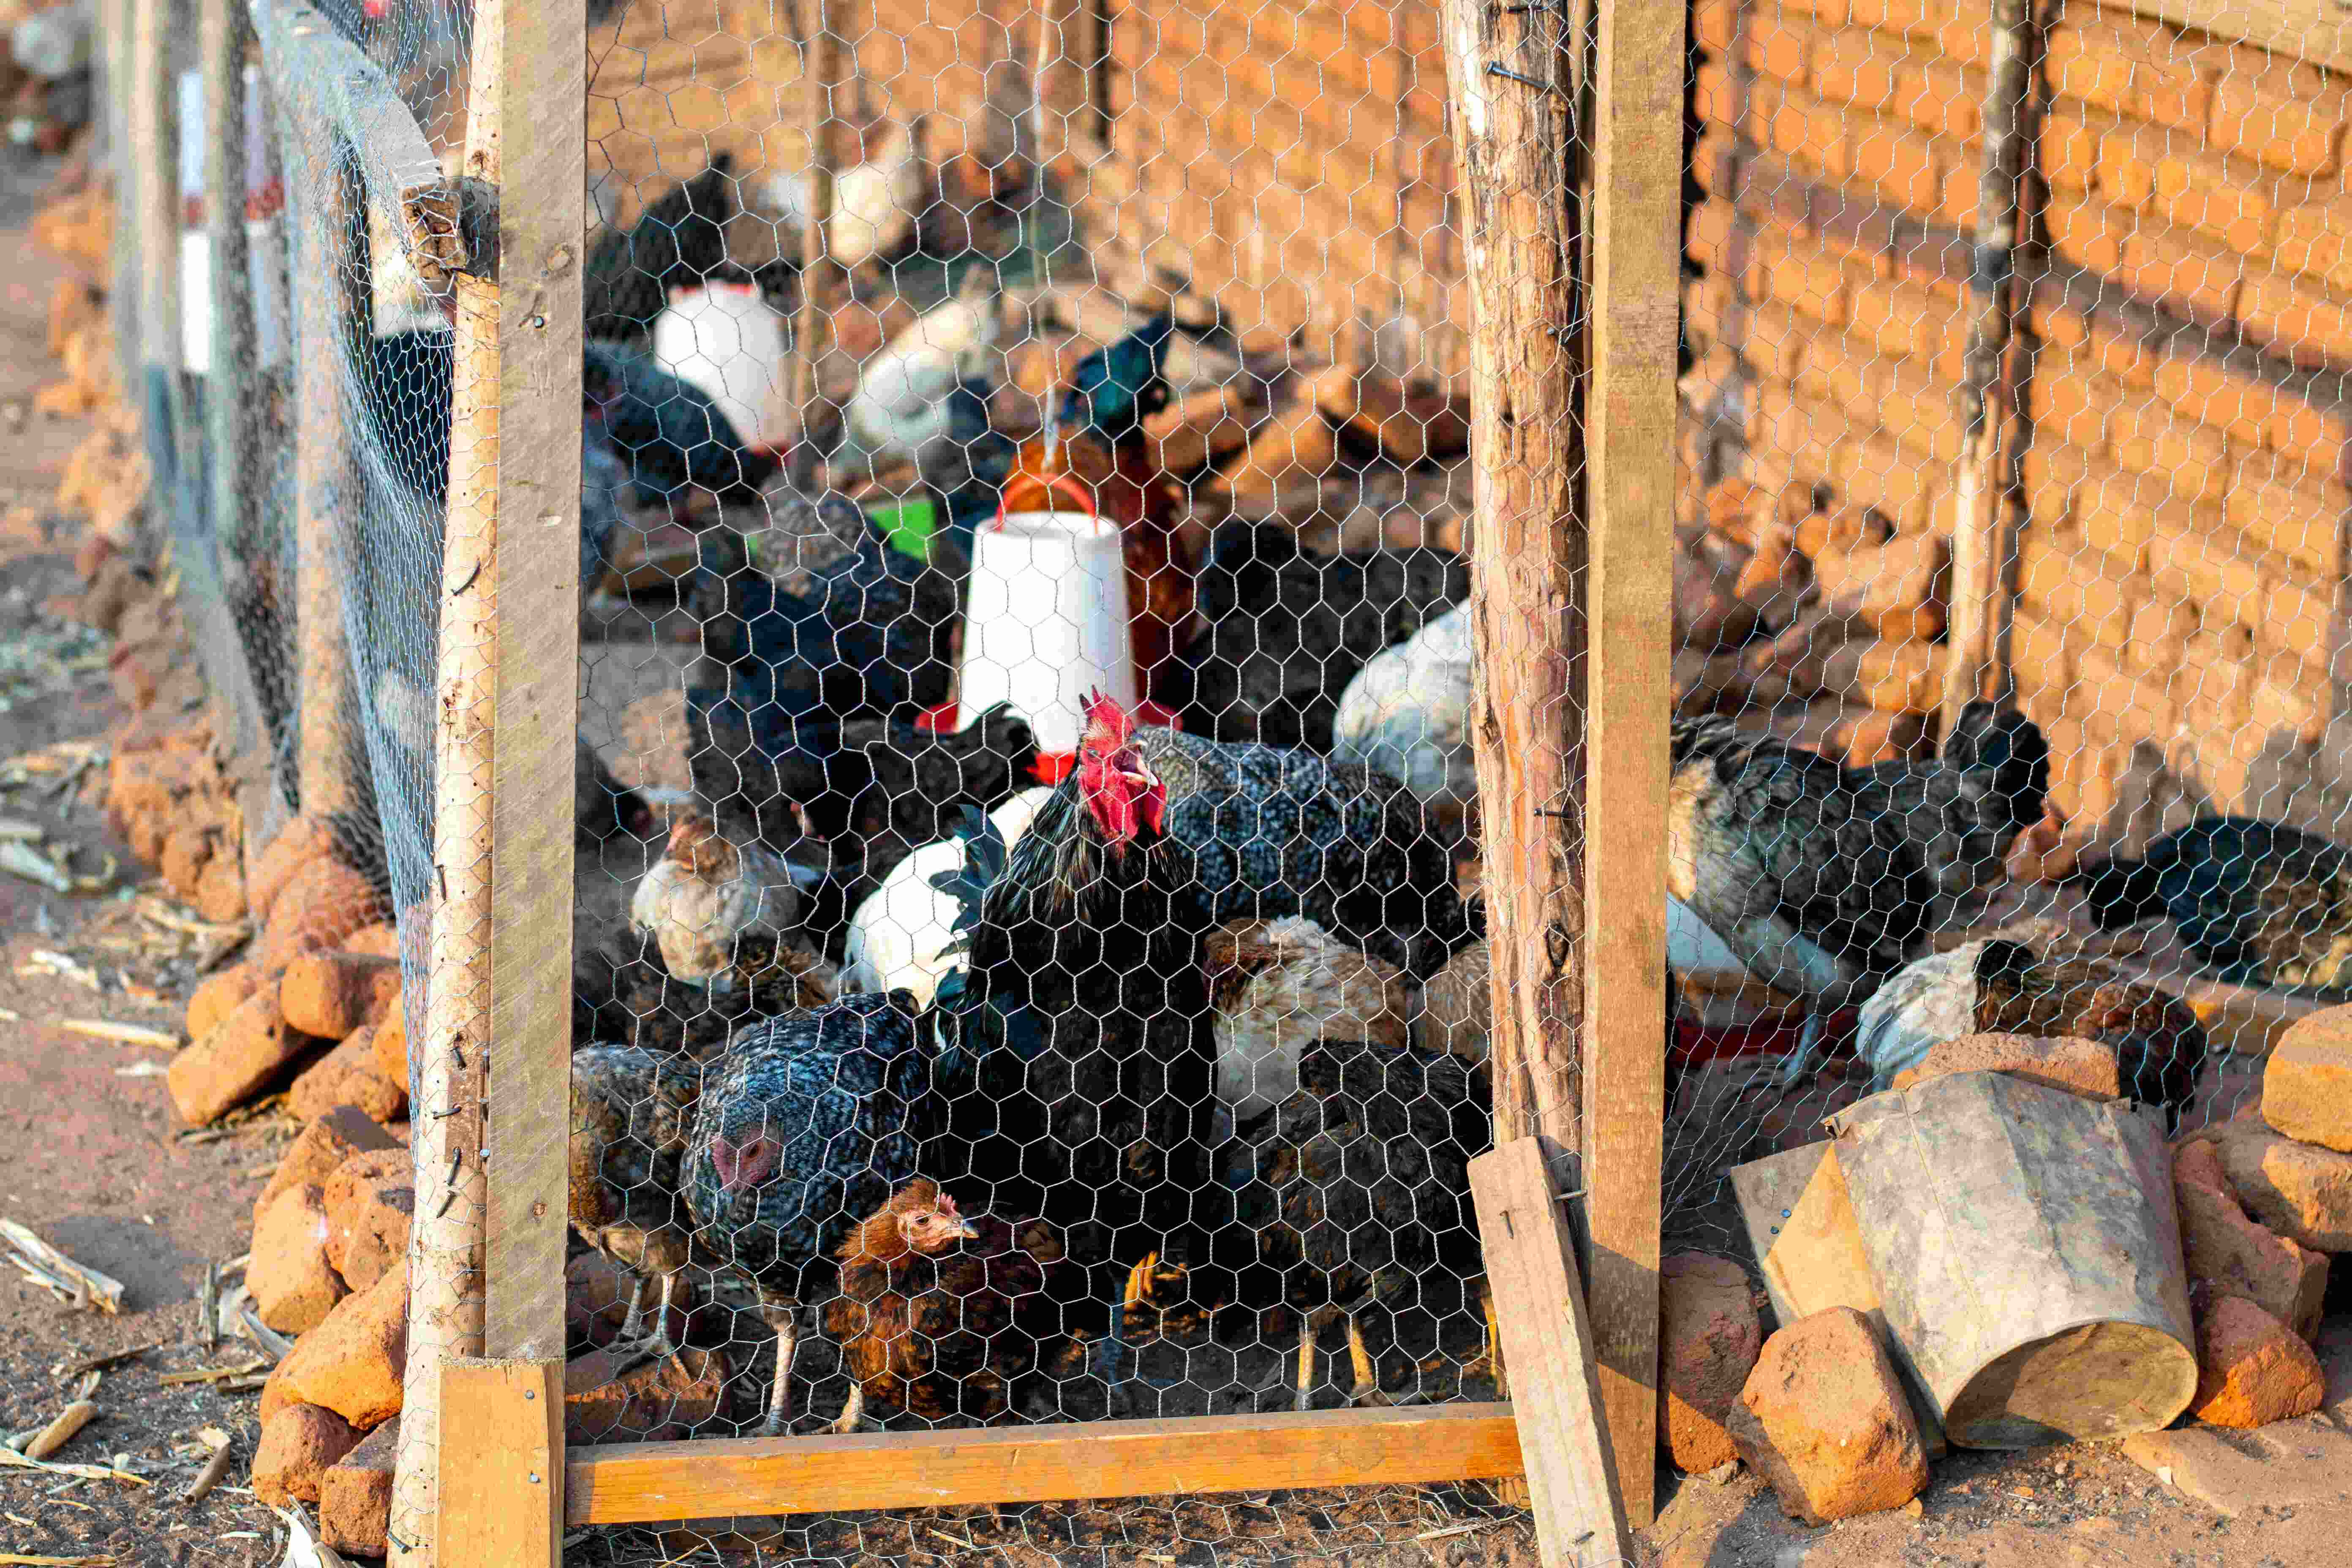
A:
[1774,344]
[2086,62]
[1900,161]
[1905,321]
[1708,235]
[355,1495]
[244,1055]
[1825,1421]
[1713,23]
[368,1204]
[1709,1340]
[1858,67]
[2070,405]
[320,1148]
[2224,197]
[293,1282]
[2114,349]
[2296,135]
[2056,324]
[1877,472]
[298,1443]
[2181,267]
[2053,472]
[1779,48]
[330,995]
[2303,323]
[2201,389]
[2150,437]
[1712,97]
[1939,97]
[2252,1369]
[2129,151]
[2039,648]
[1801,127]
[217,996]
[1824,13]
[2297,615]
[2290,507]
[2070,148]
[1797,274]
[2088,233]
[1960,39]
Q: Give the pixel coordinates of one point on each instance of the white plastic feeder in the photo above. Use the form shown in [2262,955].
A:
[1045,622]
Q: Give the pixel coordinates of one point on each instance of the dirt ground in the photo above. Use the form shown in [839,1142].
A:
[91,1157]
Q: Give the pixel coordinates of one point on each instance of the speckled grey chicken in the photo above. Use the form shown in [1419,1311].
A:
[2000,986]
[1824,880]
[1256,832]
[630,1112]
[808,1122]
[2264,903]
[1351,1196]
[940,1315]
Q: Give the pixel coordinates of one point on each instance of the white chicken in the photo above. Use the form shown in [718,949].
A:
[874,205]
[905,935]
[727,341]
[1407,712]
[902,407]
[706,896]
[1277,987]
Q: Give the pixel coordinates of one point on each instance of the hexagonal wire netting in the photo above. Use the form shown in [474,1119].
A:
[1028,959]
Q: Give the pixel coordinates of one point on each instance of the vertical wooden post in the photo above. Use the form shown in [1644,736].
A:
[1976,655]
[445,1251]
[1630,435]
[818,50]
[542,183]
[501,977]
[234,400]
[326,477]
[154,156]
[1528,542]
[117,92]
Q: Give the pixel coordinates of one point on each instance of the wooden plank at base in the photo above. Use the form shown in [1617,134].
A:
[1556,1385]
[501,1439]
[637,1482]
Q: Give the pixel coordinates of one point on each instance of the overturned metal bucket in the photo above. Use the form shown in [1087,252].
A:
[2028,1257]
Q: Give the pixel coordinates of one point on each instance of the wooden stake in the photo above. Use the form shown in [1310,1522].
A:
[817,110]
[541,215]
[501,1463]
[1572,1478]
[1976,656]
[154,155]
[326,477]
[444,1300]
[1630,414]
[1528,547]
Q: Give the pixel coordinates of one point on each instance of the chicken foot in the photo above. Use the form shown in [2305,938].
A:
[1798,1065]
[853,1418]
[1368,1390]
[786,1322]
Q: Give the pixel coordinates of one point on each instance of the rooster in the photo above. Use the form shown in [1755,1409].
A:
[940,1315]
[710,905]
[1824,880]
[630,1112]
[2264,903]
[1256,832]
[808,1122]
[1097,439]
[680,240]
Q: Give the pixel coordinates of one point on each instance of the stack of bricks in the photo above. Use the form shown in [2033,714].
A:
[2184,446]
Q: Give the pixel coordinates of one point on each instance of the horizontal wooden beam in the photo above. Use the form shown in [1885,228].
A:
[640,1482]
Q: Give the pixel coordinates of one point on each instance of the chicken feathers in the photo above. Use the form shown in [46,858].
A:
[2262,902]
[705,895]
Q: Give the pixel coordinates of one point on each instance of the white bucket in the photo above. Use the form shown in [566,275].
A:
[1045,622]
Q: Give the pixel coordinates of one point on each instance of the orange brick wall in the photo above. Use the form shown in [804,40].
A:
[2184,435]
[1288,157]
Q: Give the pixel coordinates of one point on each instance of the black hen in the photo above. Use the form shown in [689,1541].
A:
[807,1124]
[680,238]
[668,431]
[1824,879]
[1353,1194]
[2264,903]
[1288,629]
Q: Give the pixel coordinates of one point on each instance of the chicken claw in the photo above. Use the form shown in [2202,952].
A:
[853,1418]
[1305,1399]
[788,1340]
[1798,1065]
[1368,1390]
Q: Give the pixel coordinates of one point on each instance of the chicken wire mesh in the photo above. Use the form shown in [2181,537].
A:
[1180,298]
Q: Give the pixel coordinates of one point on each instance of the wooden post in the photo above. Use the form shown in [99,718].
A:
[153,154]
[816,111]
[233,406]
[1630,425]
[118,91]
[501,973]
[326,478]
[444,1251]
[502,1467]
[1528,542]
[1976,658]
[1573,1479]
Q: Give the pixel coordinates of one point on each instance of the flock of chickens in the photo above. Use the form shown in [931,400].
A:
[961,1068]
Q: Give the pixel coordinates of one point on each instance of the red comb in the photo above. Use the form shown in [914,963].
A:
[947,1204]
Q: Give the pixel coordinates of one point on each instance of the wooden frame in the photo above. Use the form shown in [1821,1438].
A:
[1578,1044]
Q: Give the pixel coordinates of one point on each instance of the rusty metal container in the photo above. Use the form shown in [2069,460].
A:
[2027,1255]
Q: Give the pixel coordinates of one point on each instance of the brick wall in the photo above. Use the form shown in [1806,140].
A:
[2183,422]
[1288,157]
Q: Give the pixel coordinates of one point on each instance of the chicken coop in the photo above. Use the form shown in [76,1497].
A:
[1255,695]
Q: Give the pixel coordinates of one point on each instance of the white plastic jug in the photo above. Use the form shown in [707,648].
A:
[1045,622]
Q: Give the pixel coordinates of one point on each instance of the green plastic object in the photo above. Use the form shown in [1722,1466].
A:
[909,525]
